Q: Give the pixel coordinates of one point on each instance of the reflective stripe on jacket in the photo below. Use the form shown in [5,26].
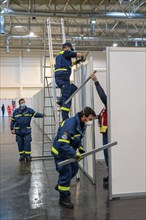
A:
[63,63]
[21,119]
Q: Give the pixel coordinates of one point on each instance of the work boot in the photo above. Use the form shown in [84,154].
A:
[66,202]
[105,182]
[105,179]
[56,187]
[28,159]
[59,102]
[22,158]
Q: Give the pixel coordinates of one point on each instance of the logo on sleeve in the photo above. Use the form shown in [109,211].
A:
[64,136]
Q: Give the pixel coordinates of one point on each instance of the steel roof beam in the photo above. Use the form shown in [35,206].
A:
[109,15]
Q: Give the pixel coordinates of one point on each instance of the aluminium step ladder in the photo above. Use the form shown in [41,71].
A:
[51,92]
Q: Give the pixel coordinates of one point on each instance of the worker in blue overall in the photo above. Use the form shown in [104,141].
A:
[102,119]
[67,144]
[62,76]
[20,125]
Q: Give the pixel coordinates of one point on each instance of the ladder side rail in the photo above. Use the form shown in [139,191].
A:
[52,71]
[44,71]
[51,110]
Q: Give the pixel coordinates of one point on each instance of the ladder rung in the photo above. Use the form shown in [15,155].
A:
[46,66]
[50,125]
[50,116]
[50,87]
[57,97]
[47,96]
[46,142]
[50,133]
[47,151]
[48,76]
[42,156]
[48,106]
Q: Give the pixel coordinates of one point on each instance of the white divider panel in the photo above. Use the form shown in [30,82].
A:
[37,105]
[127,120]
[98,106]
[82,99]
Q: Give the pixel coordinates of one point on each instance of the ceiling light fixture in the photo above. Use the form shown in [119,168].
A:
[5,1]
[115,44]
[2,25]
[31,34]
[18,26]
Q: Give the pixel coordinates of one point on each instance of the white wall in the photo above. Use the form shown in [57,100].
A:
[99,64]
[20,74]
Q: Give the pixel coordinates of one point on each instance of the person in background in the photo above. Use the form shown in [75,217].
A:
[67,144]
[9,110]
[62,76]
[20,125]
[3,110]
[102,119]
[13,104]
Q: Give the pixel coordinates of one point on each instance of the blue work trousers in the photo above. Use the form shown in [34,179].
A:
[67,89]
[66,173]
[24,144]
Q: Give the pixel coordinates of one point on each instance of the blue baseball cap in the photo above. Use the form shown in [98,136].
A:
[67,44]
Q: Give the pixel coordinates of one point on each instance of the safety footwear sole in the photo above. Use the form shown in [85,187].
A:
[21,159]
[28,159]
[66,204]
[105,179]
[59,103]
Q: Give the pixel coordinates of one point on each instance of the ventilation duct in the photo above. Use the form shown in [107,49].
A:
[2,25]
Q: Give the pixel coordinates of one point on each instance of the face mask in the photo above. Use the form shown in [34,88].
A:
[88,123]
[22,106]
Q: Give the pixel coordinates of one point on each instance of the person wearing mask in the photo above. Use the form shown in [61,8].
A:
[20,125]
[62,76]
[3,110]
[102,119]
[67,144]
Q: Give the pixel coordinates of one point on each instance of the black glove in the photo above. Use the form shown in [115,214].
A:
[81,150]
[78,156]
[77,61]
[83,59]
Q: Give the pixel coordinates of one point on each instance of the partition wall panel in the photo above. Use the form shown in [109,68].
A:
[126,80]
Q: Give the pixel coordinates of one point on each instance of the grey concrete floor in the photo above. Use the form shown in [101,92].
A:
[27,190]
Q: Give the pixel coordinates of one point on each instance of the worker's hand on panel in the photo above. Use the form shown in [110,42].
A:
[78,156]
[81,150]
[93,76]
[83,59]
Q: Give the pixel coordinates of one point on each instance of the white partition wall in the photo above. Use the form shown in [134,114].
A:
[82,99]
[126,77]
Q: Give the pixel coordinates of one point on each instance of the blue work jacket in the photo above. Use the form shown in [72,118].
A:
[21,119]
[63,63]
[68,138]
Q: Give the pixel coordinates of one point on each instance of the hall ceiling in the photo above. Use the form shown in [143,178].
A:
[89,24]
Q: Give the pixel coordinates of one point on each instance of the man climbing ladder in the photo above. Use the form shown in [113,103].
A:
[62,76]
